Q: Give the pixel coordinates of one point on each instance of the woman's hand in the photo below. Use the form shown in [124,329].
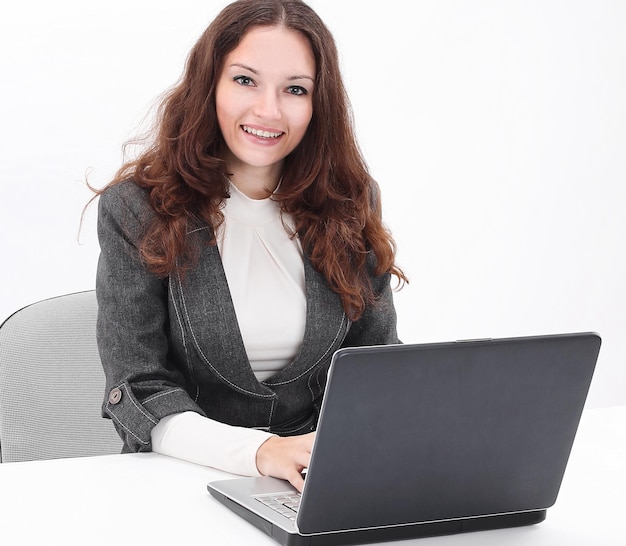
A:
[286,458]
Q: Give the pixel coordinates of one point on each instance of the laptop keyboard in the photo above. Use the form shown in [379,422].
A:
[287,505]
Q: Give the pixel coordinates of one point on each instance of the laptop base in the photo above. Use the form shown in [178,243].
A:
[401,532]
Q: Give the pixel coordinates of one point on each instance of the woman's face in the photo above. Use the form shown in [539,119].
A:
[264,97]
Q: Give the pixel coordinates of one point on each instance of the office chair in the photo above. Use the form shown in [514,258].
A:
[52,383]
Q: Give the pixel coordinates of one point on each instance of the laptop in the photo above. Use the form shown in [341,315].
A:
[418,440]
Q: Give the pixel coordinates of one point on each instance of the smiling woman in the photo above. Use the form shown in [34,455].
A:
[241,249]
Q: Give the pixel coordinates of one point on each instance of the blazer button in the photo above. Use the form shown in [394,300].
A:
[115,395]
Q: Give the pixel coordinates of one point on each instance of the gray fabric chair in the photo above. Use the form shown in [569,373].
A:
[52,383]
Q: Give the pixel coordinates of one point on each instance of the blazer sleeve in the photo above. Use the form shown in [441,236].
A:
[377,325]
[142,383]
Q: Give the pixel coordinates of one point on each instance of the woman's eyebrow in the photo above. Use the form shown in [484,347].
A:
[302,77]
[245,67]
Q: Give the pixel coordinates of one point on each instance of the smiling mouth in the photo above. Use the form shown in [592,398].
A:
[261,134]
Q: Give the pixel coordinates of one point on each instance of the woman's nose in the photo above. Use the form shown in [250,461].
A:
[267,105]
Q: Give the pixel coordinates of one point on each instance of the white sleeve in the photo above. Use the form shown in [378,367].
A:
[197,439]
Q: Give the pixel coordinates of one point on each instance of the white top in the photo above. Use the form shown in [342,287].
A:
[265,274]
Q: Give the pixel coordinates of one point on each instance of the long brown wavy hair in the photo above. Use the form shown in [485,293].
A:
[325,184]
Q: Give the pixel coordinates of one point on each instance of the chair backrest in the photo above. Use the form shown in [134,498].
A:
[52,383]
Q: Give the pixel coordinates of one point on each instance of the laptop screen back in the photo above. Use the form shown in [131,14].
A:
[420,433]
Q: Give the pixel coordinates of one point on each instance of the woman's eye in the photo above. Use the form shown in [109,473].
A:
[244,80]
[297,90]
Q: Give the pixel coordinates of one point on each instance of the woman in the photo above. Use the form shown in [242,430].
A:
[241,250]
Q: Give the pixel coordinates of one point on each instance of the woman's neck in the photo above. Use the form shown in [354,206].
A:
[255,182]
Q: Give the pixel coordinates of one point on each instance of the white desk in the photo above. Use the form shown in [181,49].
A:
[152,500]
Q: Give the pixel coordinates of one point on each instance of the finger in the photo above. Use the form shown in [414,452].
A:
[296,479]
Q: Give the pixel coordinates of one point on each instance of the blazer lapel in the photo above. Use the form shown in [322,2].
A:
[325,329]
[211,322]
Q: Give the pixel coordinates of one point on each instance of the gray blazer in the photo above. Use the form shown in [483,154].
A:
[173,345]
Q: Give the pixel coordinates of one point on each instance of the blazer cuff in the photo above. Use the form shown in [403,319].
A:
[134,420]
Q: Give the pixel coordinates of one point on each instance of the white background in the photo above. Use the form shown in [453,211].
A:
[497,131]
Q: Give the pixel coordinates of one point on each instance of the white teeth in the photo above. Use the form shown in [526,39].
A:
[263,134]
